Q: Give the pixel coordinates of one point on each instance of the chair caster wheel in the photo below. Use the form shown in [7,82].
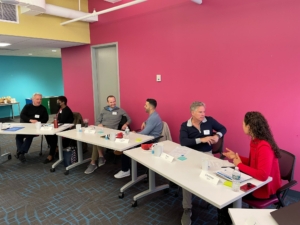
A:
[121,195]
[9,157]
[134,204]
[167,190]
[67,172]
[52,170]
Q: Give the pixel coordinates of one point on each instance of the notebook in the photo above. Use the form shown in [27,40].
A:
[14,128]
[289,215]
[226,173]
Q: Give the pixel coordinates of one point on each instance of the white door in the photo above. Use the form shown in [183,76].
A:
[105,75]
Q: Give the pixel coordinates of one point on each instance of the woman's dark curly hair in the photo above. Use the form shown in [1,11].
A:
[259,128]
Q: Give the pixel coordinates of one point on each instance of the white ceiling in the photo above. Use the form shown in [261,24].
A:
[24,46]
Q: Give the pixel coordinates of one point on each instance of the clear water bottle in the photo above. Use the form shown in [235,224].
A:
[236,177]
[127,132]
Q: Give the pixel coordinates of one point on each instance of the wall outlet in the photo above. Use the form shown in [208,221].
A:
[158,77]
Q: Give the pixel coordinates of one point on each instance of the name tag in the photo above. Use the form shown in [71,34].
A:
[47,128]
[60,111]
[206,132]
[167,157]
[209,177]
[36,116]
[114,113]
[119,140]
[87,131]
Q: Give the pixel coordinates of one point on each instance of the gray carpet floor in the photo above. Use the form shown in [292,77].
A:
[31,194]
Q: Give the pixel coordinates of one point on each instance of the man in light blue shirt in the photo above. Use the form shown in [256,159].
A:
[152,127]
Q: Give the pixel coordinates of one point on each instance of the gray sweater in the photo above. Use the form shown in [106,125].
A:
[111,118]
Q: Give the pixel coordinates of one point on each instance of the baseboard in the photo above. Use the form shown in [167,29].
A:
[293,193]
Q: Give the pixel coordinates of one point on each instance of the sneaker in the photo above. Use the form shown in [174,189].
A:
[101,161]
[91,168]
[22,158]
[186,217]
[122,174]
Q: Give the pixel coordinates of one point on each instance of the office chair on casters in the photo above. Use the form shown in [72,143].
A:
[286,165]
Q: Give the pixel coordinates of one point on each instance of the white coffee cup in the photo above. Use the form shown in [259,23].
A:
[112,137]
[0,126]
[204,163]
[38,125]
[158,149]
[78,127]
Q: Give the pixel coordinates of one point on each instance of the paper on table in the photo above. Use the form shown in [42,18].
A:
[179,151]
[122,140]
[219,163]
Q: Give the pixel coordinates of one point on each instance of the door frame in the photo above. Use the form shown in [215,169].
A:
[96,92]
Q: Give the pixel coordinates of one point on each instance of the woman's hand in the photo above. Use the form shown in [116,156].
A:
[229,154]
[237,160]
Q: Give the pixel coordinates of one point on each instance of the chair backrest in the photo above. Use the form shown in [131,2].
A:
[218,147]
[287,163]
[77,118]
[165,134]
[122,122]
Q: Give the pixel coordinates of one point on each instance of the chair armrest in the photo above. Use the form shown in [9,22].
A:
[286,186]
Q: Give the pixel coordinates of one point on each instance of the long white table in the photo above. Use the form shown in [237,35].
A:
[12,107]
[96,139]
[246,216]
[186,174]
[30,129]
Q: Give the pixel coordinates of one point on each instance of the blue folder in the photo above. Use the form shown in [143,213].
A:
[14,128]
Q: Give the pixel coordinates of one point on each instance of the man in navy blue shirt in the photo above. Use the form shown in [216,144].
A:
[198,133]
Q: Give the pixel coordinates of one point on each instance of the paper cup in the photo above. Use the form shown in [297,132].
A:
[78,127]
[204,164]
[38,125]
[112,136]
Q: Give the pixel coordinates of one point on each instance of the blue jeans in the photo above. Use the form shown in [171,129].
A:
[23,145]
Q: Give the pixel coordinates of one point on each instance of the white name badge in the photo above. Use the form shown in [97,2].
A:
[90,131]
[36,116]
[47,128]
[60,111]
[114,113]
[206,132]
[207,176]
[119,140]
[166,157]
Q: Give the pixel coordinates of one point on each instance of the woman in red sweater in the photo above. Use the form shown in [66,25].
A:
[263,157]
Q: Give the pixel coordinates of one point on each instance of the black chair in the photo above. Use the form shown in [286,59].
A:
[217,148]
[287,163]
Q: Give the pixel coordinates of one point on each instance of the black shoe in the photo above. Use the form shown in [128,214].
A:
[22,158]
[17,155]
[46,161]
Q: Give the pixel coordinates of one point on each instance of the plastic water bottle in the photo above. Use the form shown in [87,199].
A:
[127,131]
[236,177]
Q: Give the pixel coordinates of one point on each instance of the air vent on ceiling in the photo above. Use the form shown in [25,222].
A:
[8,13]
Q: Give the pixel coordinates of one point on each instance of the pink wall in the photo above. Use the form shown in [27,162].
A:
[234,55]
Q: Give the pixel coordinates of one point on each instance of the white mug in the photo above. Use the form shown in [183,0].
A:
[38,125]
[78,127]
[112,137]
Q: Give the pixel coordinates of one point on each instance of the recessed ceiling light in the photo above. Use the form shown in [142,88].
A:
[29,53]
[2,44]
[54,50]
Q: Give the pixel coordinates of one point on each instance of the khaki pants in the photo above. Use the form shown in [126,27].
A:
[95,154]
[187,196]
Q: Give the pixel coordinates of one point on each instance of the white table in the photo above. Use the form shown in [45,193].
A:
[12,107]
[186,174]
[30,129]
[96,139]
[244,216]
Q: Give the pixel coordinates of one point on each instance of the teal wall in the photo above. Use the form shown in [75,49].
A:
[20,77]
